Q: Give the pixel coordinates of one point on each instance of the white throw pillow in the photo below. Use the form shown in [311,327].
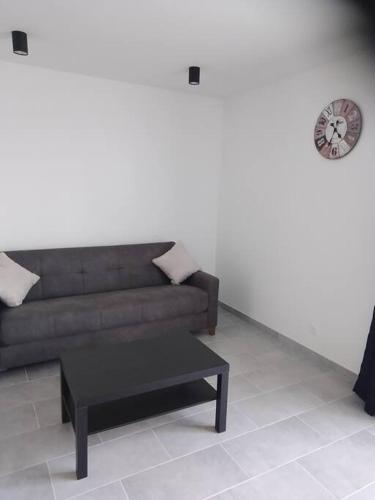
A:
[15,281]
[177,264]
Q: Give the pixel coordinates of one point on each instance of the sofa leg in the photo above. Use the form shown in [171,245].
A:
[211,330]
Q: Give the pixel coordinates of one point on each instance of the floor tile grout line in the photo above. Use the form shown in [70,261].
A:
[260,427]
[146,469]
[196,451]
[26,403]
[247,397]
[308,425]
[199,411]
[90,490]
[296,459]
[212,445]
[284,386]
[121,478]
[284,464]
[321,405]
[361,429]
[18,406]
[347,497]
[190,453]
[186,416]
[231,487]
[27,380]
[161,443]
[182,418]
[242,413]
[316,480]
[234,461]
[331,443]
[44,377]
[302,381]
[124,490]
[261,474]
[253,383]
[249,478]
[242,374]
[324,403]
[58,457]
[51,482]
[166,462]
[36,416]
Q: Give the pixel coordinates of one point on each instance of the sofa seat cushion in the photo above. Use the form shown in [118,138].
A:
[84,313]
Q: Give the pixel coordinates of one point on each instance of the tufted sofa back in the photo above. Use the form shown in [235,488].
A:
[76,271]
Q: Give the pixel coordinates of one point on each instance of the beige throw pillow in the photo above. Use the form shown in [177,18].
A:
[15,281]
[177,264]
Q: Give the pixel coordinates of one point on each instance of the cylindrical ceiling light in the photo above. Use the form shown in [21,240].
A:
[20,43]
[194,75]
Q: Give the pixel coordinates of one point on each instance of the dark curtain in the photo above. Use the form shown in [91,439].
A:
[365,385]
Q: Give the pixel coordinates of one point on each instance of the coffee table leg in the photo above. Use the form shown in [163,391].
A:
[81,441]
[64,396]
[221,402]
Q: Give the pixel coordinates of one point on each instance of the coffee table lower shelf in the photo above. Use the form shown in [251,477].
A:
[91,419]
[95,418]
[124,411]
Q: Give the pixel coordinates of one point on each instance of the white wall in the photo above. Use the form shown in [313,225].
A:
[296,243]
[86,161]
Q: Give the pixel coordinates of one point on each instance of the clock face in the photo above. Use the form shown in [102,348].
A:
[337,129]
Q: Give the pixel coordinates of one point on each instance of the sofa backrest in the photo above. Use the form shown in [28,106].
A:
[76,271]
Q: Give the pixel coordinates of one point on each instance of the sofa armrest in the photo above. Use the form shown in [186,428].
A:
[209,284]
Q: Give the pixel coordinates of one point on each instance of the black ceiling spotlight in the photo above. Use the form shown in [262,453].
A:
[194,75]
[20,43]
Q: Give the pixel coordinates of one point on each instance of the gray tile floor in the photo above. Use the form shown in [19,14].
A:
[295,431]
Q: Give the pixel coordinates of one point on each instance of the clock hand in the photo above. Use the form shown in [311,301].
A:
[335,131]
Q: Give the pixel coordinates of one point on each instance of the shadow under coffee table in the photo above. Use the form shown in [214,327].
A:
[108,386]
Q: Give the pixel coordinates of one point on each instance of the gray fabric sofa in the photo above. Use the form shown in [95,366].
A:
[100,294]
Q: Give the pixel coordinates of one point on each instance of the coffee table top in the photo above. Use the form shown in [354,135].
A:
[100,374]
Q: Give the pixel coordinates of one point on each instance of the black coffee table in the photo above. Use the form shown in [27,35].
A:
[108,386]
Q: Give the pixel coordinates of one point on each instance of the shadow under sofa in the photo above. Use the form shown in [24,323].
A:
[96,295]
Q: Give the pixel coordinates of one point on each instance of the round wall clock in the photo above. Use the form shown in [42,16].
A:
[337,129]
